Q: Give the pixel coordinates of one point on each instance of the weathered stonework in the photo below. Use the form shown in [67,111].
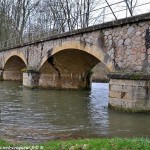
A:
[123,41]
[129,92]
[126,46]
[65,82]
[31,79]
[12,75]
[65,60]
[99,73]
[35,79]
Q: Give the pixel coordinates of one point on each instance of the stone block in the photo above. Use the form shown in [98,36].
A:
[133,106]
[130,94]
[119,94]
[12,75]
[30,80]
[127,41]
[131,30]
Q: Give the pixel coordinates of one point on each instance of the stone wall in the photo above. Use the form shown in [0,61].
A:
[31,79]
[120,45]
[126,46]
[100,72]
[65,82]
[65,60]
[123,40]
[129,92]
[12,75]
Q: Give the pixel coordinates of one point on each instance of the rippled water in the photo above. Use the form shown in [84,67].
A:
[40,115]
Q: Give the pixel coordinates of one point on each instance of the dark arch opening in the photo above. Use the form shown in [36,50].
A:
[13,69]
[100,72]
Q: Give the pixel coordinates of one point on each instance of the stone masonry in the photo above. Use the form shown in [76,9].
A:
[126,46]
[130,92]
[123,41]
[65,61]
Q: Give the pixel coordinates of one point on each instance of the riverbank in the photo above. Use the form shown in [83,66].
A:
[84,144]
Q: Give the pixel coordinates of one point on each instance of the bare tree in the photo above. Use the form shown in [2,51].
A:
[5,20]
[131,4]
[67,15]
[21,12]
[20,17]
[14,16]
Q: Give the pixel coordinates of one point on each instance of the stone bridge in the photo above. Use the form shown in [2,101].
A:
[64,61]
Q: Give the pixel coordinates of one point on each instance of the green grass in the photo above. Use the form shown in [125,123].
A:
[89,144]
[5,143]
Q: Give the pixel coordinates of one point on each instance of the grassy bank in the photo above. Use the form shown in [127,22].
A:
[86,144]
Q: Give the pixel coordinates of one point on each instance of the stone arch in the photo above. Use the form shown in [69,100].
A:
[82,46]
[14,63]
[15,53]
[69,65]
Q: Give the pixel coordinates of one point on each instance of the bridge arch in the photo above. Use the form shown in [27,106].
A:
[15,53]
[82,46]
[69,65]
[14,63]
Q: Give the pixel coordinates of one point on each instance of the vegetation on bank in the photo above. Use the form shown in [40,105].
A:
[85,144]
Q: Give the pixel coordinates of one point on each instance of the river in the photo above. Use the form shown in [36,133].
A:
[40,115]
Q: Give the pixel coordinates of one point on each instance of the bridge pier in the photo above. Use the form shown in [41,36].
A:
[64,81]
[53,81]
[129,92]
[31,79]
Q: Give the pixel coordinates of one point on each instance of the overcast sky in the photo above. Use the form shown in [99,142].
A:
[120,9]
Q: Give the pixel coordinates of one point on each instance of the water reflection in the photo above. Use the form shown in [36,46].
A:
[37,115]
[98,111]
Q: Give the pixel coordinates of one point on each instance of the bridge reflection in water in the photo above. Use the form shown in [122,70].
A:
[40,115]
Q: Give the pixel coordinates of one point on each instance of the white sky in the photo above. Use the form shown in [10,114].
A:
[121,7]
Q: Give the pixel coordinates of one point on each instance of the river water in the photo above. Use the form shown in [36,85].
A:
[41,115]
